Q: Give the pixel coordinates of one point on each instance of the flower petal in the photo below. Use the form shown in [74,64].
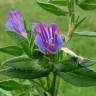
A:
[15,23]
[39,43]
[59,45]
[42,30]
[60,42]
[10,26]
[54,28]
[51,51]
[48,39]
[39,27]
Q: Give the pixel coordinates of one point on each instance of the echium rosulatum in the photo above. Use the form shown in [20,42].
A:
[47,38]
[15,23]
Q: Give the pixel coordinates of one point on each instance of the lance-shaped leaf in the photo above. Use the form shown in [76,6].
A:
[24,68]
[10,85]
[25,63]
[22,62]
[84,62]
[73,64]
[21,41]
[52,8]
[82,77]
[12,50]
[25,74]
[67,66]
[59,2]
[88,34]
[86,4]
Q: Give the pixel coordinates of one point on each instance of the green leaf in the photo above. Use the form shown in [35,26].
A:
[20,62]
[82,77]
[21,41]
[52,8]
[23,62]
[25,74]
[24,68]
[12,50]
[67,65]
[86,62]
[10,85]
[60,2]
[72,64]
[89,34]
[86,4]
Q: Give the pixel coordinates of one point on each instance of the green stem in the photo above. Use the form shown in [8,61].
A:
[71,8]
[71,11]
[57,86]
[48,82]
[52,89]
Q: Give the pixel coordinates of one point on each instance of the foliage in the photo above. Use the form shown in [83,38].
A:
[42,68]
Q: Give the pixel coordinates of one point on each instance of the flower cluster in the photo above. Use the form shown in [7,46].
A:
[47,36]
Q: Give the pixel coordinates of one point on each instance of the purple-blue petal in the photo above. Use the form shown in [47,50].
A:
[60,42]
[47,38]
[39,43]
[15,23]
[39,27]
[10,26]
[54,28]
[51,51]
[42,30]
[59,45]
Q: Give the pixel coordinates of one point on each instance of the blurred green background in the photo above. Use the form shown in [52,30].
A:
[84,46]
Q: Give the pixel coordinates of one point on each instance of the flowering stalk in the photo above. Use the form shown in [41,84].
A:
[33,64]
[49,41]
[52,89]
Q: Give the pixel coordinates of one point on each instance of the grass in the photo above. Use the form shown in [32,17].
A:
[84,46]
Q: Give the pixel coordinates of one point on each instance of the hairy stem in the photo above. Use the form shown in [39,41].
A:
[71,8]
[57,86]
[52,89]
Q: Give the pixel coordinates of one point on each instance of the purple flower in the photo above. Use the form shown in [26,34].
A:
[47,38]
[15,23]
